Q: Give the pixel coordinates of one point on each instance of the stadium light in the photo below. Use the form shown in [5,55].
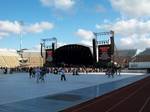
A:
[21,23]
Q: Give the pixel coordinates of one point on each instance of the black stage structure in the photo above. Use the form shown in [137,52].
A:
[80,55]
[73,54]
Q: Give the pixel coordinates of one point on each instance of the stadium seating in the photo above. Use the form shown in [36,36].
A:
[123,57]
[143,56]
[9,59]
[34,59]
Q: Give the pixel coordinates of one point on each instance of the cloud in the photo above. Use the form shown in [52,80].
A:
[133,33]
[16,27]
[85,35]
[135,41]
[59,44]
[59,4]
[133,8]
[86,42]
[39,27]
[11,27]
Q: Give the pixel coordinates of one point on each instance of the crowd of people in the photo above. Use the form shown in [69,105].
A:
[40,72]
[110,72]
[6,70]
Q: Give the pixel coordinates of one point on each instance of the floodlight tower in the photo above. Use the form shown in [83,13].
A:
[21,23]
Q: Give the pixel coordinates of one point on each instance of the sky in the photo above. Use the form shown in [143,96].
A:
[73,22]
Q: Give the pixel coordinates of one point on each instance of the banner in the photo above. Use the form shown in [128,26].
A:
[104,53]
[49,55]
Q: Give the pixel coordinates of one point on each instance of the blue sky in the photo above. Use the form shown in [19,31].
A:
[73,21]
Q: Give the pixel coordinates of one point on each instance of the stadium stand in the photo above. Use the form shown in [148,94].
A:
[127,52]
[9,59]
[145,52]
[143,56]
[33,59]
[123,57]
[12,59]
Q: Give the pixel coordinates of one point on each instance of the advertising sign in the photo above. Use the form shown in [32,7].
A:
[49,55]
[104,53]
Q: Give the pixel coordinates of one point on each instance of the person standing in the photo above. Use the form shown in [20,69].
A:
[30,72]
[62,72]
[38,73]
[43,73]
[119,70]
